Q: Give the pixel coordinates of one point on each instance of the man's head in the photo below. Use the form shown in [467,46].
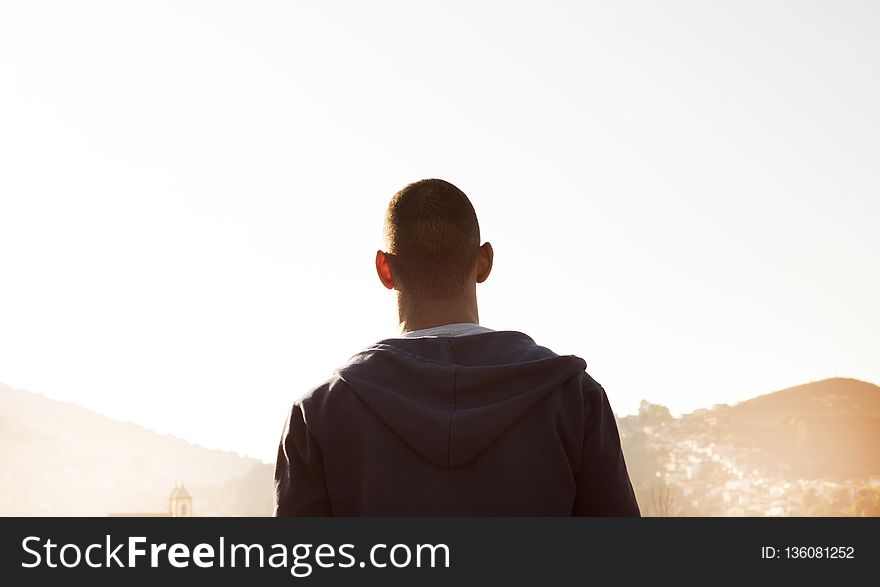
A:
[432,241]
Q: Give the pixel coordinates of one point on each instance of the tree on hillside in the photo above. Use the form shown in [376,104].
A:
[662,501]
[653,414]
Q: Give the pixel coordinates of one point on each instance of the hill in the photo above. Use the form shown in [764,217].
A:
[825,429]
[59,459]
[797,451]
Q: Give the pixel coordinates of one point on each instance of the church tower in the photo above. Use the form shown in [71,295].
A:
[180,502]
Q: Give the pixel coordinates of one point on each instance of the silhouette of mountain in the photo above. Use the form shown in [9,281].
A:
[824,429]
[813,399]
[60,459]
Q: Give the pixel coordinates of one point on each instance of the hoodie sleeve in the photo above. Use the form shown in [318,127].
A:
[299,471]
[603,485]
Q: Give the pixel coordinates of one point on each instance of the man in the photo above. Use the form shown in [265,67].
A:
[451,418]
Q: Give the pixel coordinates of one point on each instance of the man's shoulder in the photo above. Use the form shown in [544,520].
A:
[322,392]
[588,384]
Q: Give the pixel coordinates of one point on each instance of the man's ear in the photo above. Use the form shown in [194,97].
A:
[484,262]
[383,269]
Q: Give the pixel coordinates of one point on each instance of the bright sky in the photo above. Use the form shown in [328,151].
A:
[686,194]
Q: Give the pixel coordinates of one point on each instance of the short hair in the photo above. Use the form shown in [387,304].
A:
[433,239]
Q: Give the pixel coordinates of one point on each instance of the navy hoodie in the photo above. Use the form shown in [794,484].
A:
[479,425]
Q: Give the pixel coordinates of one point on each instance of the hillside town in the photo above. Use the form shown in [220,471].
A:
[680,467]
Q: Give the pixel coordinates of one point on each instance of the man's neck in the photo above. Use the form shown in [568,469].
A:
[421,314]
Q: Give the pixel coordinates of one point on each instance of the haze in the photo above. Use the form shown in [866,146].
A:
[191,193]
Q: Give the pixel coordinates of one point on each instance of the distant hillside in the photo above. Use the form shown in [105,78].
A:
[817,399]
[57,458]
[813,449]
[825,429]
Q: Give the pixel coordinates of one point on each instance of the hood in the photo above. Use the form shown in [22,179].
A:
[450,398]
